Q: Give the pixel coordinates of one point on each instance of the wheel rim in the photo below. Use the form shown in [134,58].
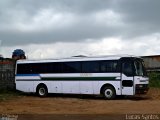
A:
[108,93]
[42,91]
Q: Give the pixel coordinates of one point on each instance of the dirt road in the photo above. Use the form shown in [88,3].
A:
[60,104]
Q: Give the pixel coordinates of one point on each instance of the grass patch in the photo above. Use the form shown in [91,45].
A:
[8,94]
[154,78]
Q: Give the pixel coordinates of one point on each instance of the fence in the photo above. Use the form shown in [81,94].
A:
[7,73]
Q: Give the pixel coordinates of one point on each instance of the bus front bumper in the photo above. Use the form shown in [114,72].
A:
[141,88]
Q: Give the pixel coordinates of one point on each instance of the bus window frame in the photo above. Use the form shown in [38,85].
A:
[123,60]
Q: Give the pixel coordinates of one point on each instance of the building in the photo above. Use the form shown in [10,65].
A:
[152,63]
[7,73]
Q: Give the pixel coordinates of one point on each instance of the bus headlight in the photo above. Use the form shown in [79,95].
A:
[139,86]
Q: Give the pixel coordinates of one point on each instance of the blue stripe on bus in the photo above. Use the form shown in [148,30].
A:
[27,74]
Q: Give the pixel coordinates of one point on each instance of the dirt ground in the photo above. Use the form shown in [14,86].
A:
[75,104]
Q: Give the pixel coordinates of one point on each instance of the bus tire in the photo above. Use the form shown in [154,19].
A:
[42,91]
[109,93]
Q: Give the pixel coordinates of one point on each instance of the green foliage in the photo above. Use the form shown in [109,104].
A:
[7,94]
[154,78]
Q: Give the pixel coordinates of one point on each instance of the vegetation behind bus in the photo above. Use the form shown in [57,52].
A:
[154,79]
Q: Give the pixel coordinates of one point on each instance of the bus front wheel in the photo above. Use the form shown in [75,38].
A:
[42,91]
[109,93]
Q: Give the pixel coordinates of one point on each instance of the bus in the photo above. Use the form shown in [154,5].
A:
[109,76]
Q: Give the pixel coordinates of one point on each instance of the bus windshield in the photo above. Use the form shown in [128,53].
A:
[139,68]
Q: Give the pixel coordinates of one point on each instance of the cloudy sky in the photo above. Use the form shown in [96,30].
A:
[64,28]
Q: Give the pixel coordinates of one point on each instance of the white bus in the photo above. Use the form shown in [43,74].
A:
[103,75]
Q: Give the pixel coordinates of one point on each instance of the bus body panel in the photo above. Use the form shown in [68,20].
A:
[70,87]
[56,87]
[38,82]
[115,84]
[26,82]
[74,86]
[25,86]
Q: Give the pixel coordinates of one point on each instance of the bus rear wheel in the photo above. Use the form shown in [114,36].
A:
[109,93]
[42,91]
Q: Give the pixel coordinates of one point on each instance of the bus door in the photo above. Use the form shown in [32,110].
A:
[127,79]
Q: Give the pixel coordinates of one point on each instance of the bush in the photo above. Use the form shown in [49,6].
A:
[154,78]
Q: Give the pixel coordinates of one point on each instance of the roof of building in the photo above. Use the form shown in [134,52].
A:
[151,56]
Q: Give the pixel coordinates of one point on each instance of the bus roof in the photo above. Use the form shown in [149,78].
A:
[76,58]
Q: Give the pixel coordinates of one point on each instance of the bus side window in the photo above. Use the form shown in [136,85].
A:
[90,67]
[127,68]
[109,66]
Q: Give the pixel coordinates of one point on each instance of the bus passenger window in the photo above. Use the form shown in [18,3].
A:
[127,68]
[109,66]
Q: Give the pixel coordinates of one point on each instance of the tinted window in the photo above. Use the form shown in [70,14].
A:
[71,67]
[139,68]
[35,68]
[45,67]
[68,67]
[109,66]
[19,70]
[48,67]
[24,69]
[127,68]
[57,67]
[90,67]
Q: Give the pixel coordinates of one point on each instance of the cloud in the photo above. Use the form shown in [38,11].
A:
[67,27]
[33,25]
[108,18]
[141,17]
[105,46]
[45,20]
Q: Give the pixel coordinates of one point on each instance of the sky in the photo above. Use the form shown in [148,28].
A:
[64,28]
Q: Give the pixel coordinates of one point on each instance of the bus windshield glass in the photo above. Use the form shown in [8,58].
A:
[139,68]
